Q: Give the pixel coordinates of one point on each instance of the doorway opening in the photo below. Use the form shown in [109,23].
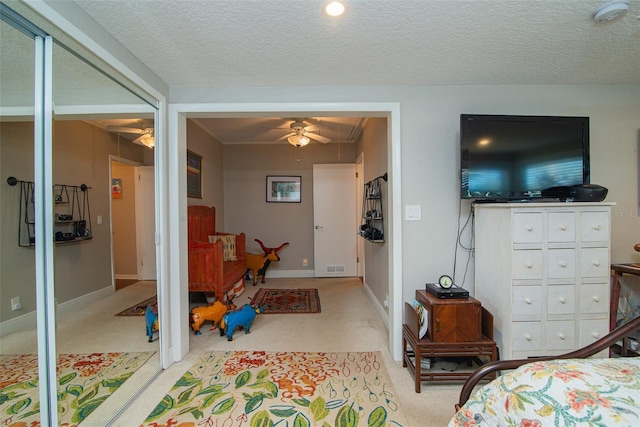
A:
[178,115]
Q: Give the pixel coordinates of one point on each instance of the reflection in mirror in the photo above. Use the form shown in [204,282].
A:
[18,339]
[94,340]
[98,124]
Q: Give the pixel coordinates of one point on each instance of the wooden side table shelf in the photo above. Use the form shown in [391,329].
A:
[457,328]
[616,289]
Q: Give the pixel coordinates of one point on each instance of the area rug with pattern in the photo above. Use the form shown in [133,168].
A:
[256,388]
[275,301]
[138,309]
[84,382]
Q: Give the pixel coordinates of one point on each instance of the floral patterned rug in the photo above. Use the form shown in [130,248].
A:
[139,308]
[84,382]
[276,301]
[256,388]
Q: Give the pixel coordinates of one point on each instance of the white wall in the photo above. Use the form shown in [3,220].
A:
[429,157]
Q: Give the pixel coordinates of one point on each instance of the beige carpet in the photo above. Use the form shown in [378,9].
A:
[348,323]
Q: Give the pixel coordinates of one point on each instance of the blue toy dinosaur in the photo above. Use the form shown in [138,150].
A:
[242,317]
[151,320]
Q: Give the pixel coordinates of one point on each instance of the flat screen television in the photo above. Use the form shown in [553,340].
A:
[511,158]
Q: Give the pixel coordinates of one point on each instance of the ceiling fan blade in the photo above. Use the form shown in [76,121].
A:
[138,140]
[317,137]
[286,136]
[124,129]
[311,128]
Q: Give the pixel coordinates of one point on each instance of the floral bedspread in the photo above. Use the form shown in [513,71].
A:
[569,392]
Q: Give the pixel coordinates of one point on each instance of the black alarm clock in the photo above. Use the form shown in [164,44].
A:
[445,281]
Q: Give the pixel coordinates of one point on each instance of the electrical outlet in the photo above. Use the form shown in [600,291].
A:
[15,304]
[305,262]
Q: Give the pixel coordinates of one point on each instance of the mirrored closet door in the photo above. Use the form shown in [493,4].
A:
[70,307]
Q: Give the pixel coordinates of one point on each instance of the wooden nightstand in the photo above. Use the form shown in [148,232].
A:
[457,328]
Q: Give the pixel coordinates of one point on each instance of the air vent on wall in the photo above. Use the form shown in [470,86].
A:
[335,268]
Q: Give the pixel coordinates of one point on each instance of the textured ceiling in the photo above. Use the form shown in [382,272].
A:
[377,42]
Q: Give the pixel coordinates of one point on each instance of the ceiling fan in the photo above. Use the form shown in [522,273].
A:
[146,137]
[301,134]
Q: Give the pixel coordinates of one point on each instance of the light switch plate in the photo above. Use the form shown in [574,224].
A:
[413,212]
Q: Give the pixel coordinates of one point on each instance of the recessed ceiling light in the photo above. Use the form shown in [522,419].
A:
[335,8]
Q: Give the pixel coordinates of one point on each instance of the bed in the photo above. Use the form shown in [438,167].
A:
[565,390]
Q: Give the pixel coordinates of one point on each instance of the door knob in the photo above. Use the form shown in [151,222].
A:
[319,227]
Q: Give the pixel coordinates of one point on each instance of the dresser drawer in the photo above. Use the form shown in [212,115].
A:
[595,226]
[527,227]
[561,299]
[594,262]
[594,298]
[561,263]
[592,330]
[526,301]
[561,335]
[561,227]
[526,336]
[527,264]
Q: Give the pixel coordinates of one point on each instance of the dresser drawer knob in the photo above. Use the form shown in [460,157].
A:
[563,264]
[563,227]
[563,300]
[596,335]
[529,228]
[527,300]
[596,263]
[527,337]
[562,336]
[596,227]
[596,298]
[529,265]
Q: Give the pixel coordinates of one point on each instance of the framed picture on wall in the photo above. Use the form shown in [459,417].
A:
[116,188]
[194,175]
[283,189]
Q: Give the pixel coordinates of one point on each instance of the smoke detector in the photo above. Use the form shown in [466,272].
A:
[610,11]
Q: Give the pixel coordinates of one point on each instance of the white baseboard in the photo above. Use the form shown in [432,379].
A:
[28,321]
[384,316]
[289,273]
[126,276]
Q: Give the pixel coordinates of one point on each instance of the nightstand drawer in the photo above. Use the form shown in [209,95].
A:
[452,320]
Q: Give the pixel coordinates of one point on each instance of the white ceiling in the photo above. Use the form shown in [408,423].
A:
[234,43]
[278,43]
[377,42]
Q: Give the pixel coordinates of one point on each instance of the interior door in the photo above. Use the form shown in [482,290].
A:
[146,222]
[334,215]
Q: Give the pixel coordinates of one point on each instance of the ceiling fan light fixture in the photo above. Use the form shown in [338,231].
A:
[148,140]
[298,140]
[610,11]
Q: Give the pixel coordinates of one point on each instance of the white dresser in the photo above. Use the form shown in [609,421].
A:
[542,270]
